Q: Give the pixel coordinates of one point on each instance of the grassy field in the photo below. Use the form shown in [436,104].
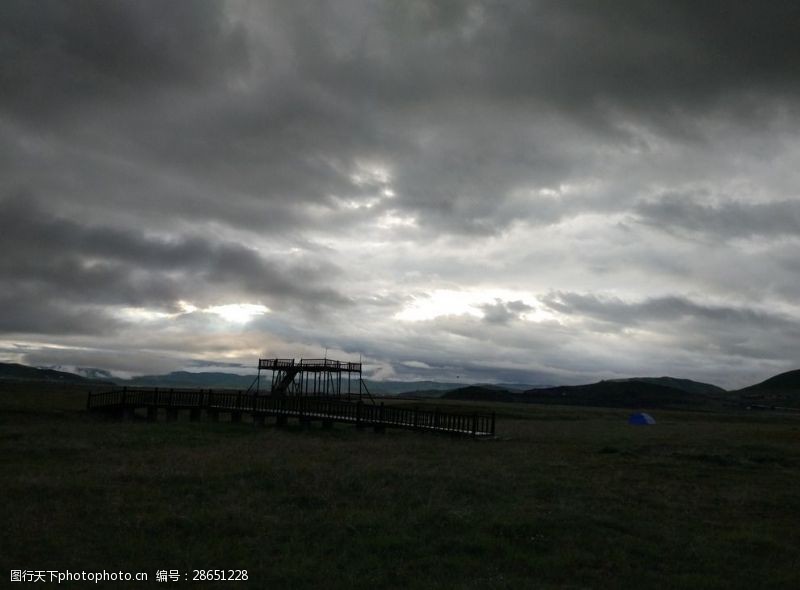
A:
[564,498]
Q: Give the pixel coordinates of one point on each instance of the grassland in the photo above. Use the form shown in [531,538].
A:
[564,498]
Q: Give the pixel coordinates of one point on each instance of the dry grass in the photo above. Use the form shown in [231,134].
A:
[565,498]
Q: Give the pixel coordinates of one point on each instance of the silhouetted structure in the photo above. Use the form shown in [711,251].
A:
[312,378]
[322,390]
[126,402]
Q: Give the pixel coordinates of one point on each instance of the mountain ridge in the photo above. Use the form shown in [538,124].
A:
[782,389]
[18,372]
[641,392]
[635,392]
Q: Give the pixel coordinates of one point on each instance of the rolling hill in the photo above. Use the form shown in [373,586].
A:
[686,385]
[17,372]
[648,392]
[483,393]
[640,392]
[780,390]
[233,381]
[187,379]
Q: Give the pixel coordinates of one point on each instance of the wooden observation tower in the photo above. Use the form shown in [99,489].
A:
[312,378]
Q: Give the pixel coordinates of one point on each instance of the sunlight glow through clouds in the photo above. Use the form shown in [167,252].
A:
[141,314]
[388,220]
[238,313]
[235,313]
[443,302]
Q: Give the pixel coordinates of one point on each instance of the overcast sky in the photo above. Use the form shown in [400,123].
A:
[540,192]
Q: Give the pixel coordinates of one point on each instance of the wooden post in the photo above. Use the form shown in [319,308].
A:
[380,425]
[281,415]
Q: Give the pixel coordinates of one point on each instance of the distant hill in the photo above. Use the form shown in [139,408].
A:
[428,388]
[399,387]
[483,393]
[638,392]
[686,385]
[219,380]
[17,372]
[91,373]
[780,390]
[788,382]
[648,392]
[186,379]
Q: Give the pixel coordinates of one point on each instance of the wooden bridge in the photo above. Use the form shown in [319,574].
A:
[125,401]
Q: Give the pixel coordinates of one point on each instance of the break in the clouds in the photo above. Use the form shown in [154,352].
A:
[497,191]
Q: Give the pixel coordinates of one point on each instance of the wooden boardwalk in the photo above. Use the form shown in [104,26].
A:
[126,400]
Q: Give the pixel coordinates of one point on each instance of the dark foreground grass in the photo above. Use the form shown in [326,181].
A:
[565,498]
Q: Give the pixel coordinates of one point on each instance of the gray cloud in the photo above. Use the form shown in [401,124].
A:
[26,311]
[63,57]
[341,163]
[734,219]
[708,330]
[660,309]
[62,259]
[501,312]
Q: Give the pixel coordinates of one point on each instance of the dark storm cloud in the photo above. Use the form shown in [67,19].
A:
[572,53]
[28,311]
[347,156]
[59,56]
[450,93]
[479,77]
[57,258]
[645,55]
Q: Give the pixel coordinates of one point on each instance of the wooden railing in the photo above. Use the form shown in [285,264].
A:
[275,363]
[304,408]
[309,365]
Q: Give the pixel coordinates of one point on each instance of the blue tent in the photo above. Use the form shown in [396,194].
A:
[641,418]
